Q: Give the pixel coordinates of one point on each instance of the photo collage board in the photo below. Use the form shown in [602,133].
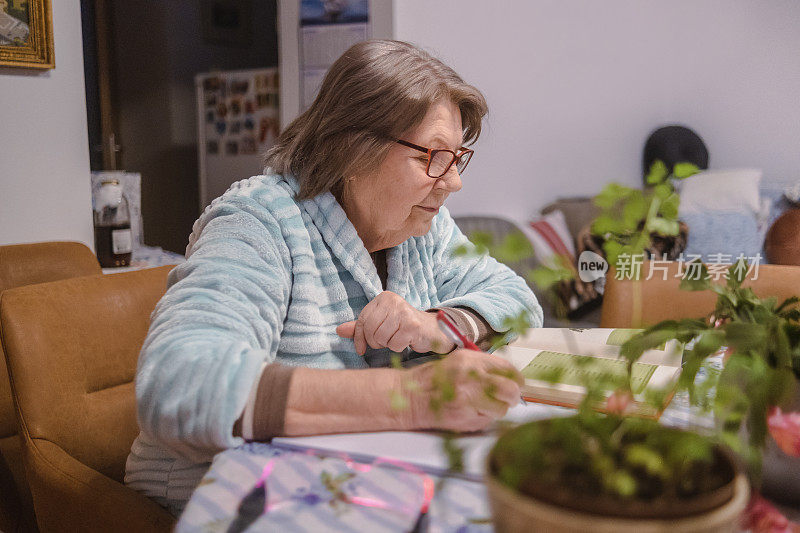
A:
[240,112]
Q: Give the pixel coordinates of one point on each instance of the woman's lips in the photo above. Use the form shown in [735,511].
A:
[429,209]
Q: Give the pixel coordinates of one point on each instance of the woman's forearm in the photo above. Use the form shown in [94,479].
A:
[338,401]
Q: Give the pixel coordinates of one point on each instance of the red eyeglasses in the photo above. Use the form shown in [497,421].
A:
[440,161]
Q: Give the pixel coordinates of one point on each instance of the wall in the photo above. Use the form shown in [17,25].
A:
[44,157]
[574,88]
[158,50]
[380,27]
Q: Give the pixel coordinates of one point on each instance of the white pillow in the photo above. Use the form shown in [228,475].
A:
[550,236]
[721,190]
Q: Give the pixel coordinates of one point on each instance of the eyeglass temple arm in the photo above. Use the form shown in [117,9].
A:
[427,150]
[412,145]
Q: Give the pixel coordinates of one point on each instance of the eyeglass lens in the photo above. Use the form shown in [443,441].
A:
[442,159]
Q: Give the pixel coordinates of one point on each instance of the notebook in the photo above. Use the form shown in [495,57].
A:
[578,354]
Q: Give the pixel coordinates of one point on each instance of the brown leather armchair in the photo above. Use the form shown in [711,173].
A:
[662,299]
[71,348]
[24,264]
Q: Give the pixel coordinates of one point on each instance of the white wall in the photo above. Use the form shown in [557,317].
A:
[45,190]
[574,87]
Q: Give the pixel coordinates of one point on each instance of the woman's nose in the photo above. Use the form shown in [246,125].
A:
[451,181]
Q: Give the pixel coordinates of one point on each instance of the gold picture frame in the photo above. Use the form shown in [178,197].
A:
[26,34]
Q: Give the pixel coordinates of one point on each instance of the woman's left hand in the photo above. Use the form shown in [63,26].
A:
[389,321]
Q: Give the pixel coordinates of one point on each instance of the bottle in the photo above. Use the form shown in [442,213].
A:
[113,240]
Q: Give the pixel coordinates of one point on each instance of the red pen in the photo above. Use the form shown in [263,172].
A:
[452,332]
[458,338]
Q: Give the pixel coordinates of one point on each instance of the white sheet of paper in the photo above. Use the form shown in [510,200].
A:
[421,449]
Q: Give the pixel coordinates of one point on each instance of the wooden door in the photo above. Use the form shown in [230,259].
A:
[104,141]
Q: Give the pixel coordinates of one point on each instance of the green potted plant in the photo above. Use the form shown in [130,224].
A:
[612,472]
[595,471]
[631,222]
[569,473]
[632,218]
[757,400]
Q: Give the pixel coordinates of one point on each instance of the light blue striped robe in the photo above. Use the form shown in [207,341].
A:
[269,278]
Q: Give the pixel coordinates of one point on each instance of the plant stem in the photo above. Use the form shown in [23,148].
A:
[641,242]
[644,237]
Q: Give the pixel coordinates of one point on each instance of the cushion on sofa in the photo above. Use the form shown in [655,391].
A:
[551,237]
[721,190]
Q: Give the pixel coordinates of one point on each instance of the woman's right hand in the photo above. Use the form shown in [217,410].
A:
[481,389]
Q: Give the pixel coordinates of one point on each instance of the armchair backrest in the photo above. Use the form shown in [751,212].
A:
[24,264]
[72,347]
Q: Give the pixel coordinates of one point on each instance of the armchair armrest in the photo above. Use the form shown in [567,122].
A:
[70,496]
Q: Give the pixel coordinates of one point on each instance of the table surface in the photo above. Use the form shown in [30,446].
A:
[148,257]
[308,491]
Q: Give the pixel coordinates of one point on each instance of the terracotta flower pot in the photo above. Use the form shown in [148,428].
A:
[559,509]
[513,512]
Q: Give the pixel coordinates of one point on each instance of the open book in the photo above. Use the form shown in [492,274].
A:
[574,355]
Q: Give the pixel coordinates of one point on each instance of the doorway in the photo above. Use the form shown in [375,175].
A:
[140,60]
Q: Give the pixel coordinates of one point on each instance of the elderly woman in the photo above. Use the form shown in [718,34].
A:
[295,279]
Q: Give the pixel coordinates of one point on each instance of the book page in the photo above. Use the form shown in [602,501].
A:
[541,367]
[560,339]
[596,342]
[576,369]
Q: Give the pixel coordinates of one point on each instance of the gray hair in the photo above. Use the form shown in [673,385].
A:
[372,95]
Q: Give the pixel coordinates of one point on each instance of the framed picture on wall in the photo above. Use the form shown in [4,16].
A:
[26,34]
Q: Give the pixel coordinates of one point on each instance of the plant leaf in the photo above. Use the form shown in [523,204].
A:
[657,174]
[737,273]
[611,194]
[684,170]
[662,191]
[663,226]
[670,206]
[695,277]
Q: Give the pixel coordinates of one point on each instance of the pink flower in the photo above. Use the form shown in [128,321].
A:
[619,401]
[785,429]
[762,517]
[717,322]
